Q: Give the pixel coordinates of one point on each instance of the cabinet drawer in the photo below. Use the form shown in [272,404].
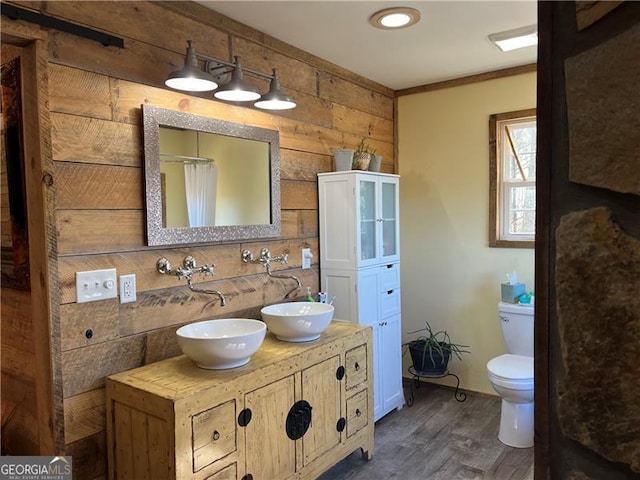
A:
[227,473]
[214,434]
[389,303]
[357,413]
[390,277]
[356,366]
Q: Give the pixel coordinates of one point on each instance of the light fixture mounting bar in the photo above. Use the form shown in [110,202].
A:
[214,64]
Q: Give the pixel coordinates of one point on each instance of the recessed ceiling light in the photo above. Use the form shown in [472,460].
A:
[517,38]
[395,18]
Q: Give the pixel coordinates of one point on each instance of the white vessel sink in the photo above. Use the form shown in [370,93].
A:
[297,321]
[221,344]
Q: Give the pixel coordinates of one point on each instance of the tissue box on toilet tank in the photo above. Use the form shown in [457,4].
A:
[511,292]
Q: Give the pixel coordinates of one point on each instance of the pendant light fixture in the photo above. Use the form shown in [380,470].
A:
[274,99]
[193,78]
[237,89]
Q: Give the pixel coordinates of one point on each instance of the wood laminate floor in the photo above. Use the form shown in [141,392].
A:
[439,438]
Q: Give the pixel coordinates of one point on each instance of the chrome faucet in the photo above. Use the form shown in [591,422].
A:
[189,267]
[266,259]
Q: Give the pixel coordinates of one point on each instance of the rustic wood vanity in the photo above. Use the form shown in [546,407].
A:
[292,412]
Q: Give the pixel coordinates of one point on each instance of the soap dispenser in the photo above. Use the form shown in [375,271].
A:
[309,297]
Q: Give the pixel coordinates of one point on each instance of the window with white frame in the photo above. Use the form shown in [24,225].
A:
[512,143]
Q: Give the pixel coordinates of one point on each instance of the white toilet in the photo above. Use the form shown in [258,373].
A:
[511,375]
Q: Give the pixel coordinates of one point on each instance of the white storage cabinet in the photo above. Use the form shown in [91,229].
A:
[359,264]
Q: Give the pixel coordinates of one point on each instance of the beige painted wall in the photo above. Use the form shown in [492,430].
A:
[450,276]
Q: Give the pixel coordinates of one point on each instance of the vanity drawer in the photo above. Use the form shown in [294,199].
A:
[229,472]
[214,434]
[389,277]
[357,414]
[389,303]
[356,366]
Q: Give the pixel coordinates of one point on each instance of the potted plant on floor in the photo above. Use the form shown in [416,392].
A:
[430,352]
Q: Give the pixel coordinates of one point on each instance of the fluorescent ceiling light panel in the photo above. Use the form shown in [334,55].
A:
[517,38]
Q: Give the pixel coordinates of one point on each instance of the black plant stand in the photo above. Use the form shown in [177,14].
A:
[415,383]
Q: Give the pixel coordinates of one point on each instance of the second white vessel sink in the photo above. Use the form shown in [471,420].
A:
[297,321]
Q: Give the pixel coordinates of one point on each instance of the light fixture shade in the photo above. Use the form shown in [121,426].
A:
[275,99]
[191,78]
[517,38]
[236,89]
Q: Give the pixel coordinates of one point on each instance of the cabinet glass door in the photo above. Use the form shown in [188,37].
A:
[368,240]
[389,219]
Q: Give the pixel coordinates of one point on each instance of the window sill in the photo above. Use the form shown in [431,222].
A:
[512,244]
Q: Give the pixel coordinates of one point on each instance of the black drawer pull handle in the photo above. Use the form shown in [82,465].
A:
[390,265]
[358,412]
[216,435]
[389,292]
[357,366]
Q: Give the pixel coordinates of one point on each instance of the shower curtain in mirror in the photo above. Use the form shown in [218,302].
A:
[201,184]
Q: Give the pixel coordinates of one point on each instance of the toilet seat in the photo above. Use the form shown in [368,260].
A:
[511,371]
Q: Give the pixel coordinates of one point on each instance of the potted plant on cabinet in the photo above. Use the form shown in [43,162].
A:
[363,155]
[430,352]
[362,158]
[343,158]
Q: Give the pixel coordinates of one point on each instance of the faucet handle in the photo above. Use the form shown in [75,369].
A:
[184,273]
[207,269]
[285,258]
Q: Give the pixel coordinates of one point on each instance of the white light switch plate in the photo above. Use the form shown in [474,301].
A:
[306,258]
[96,285]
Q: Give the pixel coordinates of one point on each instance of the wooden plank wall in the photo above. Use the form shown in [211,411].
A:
[95,95]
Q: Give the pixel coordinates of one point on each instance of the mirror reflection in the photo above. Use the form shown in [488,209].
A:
[209,180]
[202,175]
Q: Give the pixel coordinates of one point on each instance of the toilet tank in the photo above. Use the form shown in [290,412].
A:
[517,327]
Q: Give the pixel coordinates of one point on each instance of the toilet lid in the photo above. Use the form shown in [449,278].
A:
[514,367]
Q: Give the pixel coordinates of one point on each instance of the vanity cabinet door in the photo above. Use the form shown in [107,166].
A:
[270,453]
[388,365]
[321,388]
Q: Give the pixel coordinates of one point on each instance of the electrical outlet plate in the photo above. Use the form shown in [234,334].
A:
[128,288]
[96,285]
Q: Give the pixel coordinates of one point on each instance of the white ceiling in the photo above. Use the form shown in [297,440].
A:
[449,42]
